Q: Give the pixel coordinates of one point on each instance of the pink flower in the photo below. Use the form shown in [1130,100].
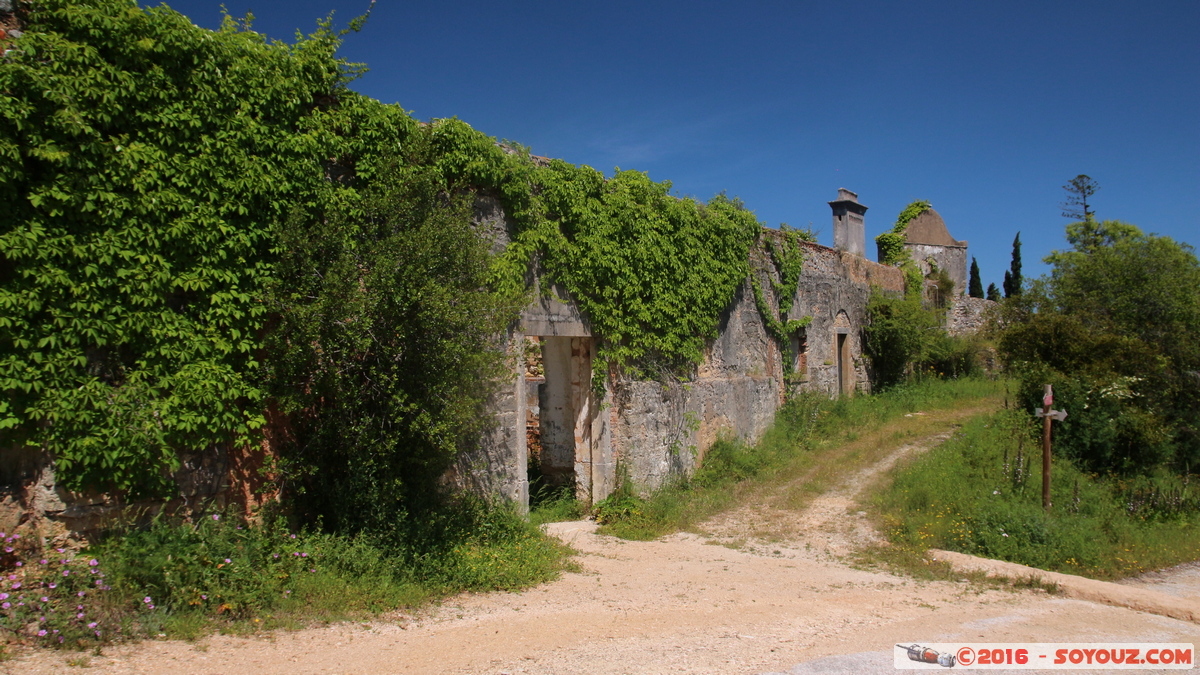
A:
[216,517]
[93,562]
[227,561]
[79,615]
[146,599]
[92,624]
[16,585]
[43,561]
[6,605]
[20,564]
[45,599]
[53,585]
[81,594]
[41,633]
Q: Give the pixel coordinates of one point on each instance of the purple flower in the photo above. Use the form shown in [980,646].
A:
[41,618]
[295,553]
[98,582]
[78,606]
[227,561]
[66,573]
[45,599]
[93,562]
[20,564]
[6,605]
[276,555]
[293,536]
[16,585]
[41,633]
[60,550]
[216,517]
[8,549]
[312,570]
[3,596]
[92,624]
[53,585]
[146,599]
[203,597]
[79,615]
[81,594]
[43,561]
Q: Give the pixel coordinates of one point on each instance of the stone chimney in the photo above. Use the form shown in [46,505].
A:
[849,223]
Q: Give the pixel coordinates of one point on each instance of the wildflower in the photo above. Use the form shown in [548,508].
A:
[93,562]
[66,573]
[303,555]
[216,516]
[16,585]
[8,549]
[98,582]
[45,599]
[92,624]
[227,561]
[276,555]
[97,633]
[3,596]
[41,619]
[6,605]
[41,633]
[53,585]
[203,597]
[995,492]
[81,593]
[79,615]
[1004,534]
[78,606]
[20,564]
[60,550]
[146,599]
[295,553]
[43,561]
[293,536]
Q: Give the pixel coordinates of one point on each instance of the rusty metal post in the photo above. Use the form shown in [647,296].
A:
[1047,401]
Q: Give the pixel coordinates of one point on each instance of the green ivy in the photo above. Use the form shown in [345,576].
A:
[891,243]
[786,255]
[200,222]
[146,163]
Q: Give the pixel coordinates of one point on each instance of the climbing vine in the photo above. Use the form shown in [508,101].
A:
[892,250]
[787,260]
[199,223]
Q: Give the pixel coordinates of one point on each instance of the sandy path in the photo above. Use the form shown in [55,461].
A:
[684,603]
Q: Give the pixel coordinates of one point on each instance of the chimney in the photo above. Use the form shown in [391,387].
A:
[849,226]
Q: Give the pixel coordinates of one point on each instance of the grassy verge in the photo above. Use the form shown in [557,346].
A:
[183,580]
[805,429]
[980,493]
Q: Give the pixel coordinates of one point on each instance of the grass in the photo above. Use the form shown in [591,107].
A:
[980,493]
[186,580]
[800,443]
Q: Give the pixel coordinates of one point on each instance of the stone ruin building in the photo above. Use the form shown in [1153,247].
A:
[551,424]
[553,427]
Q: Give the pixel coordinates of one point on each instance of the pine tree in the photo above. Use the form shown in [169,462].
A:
[1013,279]
[1078,190]
[993,293]
[974,285]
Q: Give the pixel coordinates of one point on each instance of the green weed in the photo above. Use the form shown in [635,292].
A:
[980,493]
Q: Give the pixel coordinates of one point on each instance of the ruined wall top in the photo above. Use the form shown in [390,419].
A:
[929,228]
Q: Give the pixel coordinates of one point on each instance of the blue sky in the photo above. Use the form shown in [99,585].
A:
[985,109]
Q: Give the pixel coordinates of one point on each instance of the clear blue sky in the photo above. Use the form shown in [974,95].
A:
[985,109]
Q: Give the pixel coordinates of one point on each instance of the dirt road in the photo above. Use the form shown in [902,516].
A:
[763,589]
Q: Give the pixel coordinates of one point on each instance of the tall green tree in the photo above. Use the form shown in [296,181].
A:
[1079,190]
[1116,328]
[975,285]
[993,293]
[1012,277]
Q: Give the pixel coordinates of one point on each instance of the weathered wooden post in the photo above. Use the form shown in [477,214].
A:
[1047,414]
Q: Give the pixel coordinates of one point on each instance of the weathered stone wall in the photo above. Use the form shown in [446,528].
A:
[968,315]
[953,259]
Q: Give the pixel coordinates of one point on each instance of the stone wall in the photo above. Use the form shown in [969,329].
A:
[968,315]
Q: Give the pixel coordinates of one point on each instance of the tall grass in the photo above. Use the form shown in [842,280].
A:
[185,579]
[804,427]
[980,493]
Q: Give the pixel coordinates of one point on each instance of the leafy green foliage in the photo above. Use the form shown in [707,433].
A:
[1115,328]
[890,244]
[993,293]
[787,262]
[146,165]
[652,272]
[897,335]
[980,493]
[199,222]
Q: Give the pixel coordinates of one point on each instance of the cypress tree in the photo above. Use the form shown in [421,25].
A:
[1013,279]
[974,285]
[993,293]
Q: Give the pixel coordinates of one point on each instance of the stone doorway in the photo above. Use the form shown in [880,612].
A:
[559,413]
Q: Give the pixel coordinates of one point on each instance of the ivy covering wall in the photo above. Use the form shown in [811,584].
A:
[201,222]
